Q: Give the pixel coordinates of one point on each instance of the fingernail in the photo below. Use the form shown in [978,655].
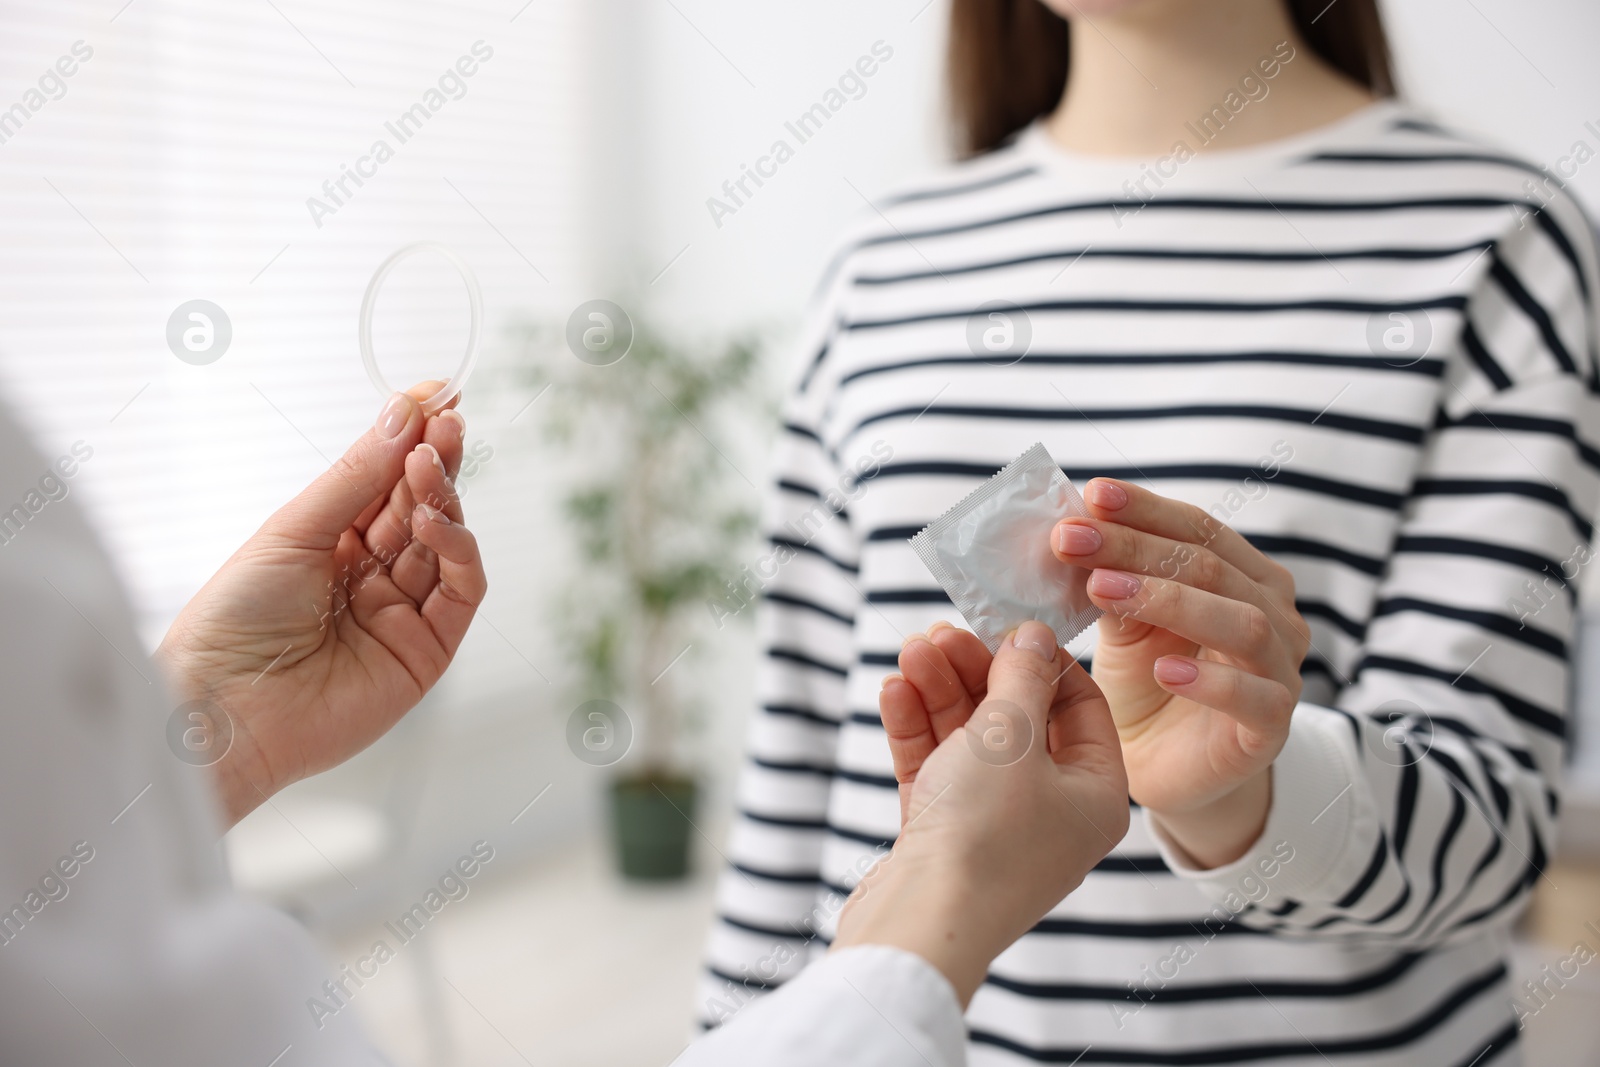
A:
[1037,638]
[1113,585]
[1075,539]
[459,419]
[1108,495]
[940,625]
[912,637]
[394,416]
[892,677]
[433,453]
[427,514]
[1175,671]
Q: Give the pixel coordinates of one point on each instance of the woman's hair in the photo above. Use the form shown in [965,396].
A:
[1007,62]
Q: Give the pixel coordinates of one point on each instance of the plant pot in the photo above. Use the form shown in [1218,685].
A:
[650,826]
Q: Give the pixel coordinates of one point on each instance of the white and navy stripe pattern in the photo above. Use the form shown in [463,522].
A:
[1213,344]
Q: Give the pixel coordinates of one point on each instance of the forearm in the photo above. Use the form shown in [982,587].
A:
[915,904]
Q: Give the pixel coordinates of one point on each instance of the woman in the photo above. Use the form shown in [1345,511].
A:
[119,939]
[1336,369]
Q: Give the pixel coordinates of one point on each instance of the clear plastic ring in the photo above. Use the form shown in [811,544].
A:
[435,403]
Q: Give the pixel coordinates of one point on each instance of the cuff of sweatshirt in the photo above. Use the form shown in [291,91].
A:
[1320,831]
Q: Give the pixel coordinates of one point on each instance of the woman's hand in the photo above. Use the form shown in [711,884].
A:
[1012,788]
[1199,656]
[335,618]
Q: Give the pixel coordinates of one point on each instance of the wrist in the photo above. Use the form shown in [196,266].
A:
[241,780]
[1222,830]
[240,775]
[926,908]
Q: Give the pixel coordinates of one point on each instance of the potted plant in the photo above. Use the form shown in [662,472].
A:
[659,517]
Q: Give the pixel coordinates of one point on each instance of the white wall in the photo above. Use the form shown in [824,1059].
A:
[701,120]
[1519,72]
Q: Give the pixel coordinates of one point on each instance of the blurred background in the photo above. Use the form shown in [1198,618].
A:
[569,150]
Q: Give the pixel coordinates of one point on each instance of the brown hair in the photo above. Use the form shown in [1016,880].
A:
[1007,61]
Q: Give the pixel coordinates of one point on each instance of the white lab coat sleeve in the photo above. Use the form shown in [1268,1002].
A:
[869,1005]
[120,939]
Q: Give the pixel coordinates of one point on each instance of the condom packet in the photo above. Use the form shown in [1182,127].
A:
[991,553]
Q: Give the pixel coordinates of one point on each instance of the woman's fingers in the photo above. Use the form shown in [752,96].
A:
[1130,505]
[969,656]
[388,531]
[419,392]
[925,666]
[945,674]
[911,740]
[1026,676]
[1259,704]
[1069,721]
[425,390]
[385,523]
[428,480]
[1241,630]
[447,432]
[1217,591]
[368,514]
[331,504]
[1081,719]
[462,584]
[1091,543]
[415,569]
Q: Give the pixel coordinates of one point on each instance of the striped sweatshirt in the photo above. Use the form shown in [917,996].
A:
[1369,348]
